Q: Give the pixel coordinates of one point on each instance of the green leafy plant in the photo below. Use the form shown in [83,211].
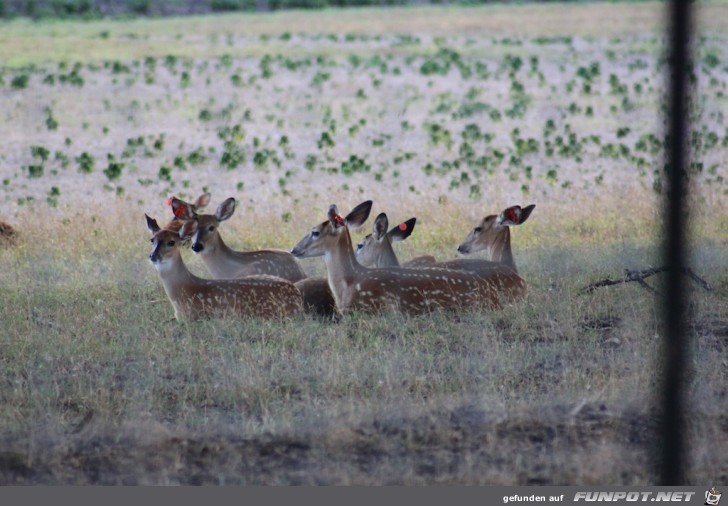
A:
[85,162]
[114,168]
[20,81]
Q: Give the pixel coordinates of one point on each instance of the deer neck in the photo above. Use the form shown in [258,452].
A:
[175,276]
[341,265]
[387,257]
[221,260]
[500,250]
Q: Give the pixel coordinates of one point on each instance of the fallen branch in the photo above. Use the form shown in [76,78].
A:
[639,277]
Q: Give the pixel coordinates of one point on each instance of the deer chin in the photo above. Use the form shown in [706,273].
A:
[163,265]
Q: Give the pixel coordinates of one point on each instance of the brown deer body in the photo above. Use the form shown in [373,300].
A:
[492,234]
[317,297]
[194,298]
[224,262]
[412,291]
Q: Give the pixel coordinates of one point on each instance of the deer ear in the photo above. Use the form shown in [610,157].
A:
[225,210]
[334,216]
[380,226]
[514,215]
[359,214]
[526,212]
[152,224]
[181,209]
[509,216]
[188,229]
[202,201]
[402,231]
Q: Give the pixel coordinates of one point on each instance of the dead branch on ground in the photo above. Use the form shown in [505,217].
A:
[639,277]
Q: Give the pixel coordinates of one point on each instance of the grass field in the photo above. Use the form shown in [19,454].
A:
[447,114]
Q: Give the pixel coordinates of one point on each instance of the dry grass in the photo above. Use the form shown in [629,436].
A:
[103,387]
[98,385]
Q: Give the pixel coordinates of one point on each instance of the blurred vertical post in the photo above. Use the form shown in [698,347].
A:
[672,442]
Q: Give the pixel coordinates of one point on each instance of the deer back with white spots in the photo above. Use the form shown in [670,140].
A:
[414,291]
[494,236]
[222,261]
[194,298]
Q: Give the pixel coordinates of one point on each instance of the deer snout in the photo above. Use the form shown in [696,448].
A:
[296,252]
[463,249]
[197,247]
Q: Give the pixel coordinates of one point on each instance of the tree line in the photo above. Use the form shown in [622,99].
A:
[91,9]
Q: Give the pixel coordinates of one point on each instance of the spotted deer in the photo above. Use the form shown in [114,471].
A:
[491,234]
[412,291]
[224,262]
[494,235]
[194,298]
[375,250]
[317,296]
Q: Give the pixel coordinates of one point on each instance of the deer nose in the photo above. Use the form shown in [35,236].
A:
[197,247]
[463,249]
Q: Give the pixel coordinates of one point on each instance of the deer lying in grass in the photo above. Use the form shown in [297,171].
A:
[317,296]
[412,291]
[194,298]
[491,234]
[375,250]
[224,262]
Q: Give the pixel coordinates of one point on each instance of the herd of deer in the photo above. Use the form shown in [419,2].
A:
[271,283]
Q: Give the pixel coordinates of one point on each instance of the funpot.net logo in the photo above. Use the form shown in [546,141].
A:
[669,496]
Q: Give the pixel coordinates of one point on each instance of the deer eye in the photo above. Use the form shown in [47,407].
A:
[478,230]
[170,243]
[315,233]
[212,228]
[360,246]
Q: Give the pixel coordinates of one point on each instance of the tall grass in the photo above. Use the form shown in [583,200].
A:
[98,377]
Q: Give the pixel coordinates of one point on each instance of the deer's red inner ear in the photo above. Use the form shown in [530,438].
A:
[512,215]
[339,220]
[169,201]
[179,210]
[403,226]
